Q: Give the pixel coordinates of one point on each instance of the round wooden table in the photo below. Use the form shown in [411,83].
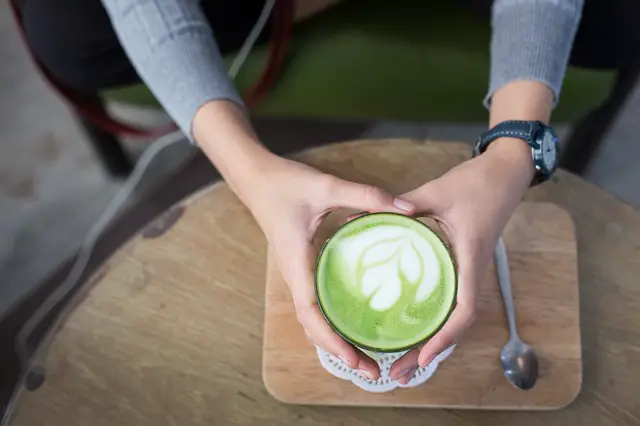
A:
[169,331]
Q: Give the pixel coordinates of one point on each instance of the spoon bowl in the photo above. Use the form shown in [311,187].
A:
[520,364]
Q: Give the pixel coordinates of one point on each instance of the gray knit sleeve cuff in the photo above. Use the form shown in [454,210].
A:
[532,40]
[171,46]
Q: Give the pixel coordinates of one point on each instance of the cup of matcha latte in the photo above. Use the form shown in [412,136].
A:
[385,282]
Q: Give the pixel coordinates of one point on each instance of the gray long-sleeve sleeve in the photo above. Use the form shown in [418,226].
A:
[532,40]
[171,46]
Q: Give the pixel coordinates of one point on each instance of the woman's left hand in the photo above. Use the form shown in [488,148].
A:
[472,203]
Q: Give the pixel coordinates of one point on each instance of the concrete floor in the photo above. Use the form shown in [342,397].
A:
[52,189]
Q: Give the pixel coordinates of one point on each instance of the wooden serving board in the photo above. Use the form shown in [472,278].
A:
[541,244]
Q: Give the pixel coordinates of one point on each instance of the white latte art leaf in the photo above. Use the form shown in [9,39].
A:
[383,255]
[390,290]
[431,269]
[410,264]
[373,278]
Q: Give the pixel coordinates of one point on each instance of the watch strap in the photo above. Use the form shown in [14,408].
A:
[519,129]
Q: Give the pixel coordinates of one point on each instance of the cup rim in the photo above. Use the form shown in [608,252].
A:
[371,348]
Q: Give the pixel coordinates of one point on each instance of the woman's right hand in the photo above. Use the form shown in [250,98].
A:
[289,203]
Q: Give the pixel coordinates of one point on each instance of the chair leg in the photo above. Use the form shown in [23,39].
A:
[108,147]
[588,133]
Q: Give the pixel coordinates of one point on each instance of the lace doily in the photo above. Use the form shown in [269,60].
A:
[339,369]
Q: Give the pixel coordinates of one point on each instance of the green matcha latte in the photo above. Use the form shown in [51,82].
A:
[385,282]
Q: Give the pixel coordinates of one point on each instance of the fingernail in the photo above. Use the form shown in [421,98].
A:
[366,374]
[403,205]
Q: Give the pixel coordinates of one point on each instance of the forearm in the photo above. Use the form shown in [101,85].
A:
[225,135]
[519,100]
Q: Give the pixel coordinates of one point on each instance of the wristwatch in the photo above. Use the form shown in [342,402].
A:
[541,138]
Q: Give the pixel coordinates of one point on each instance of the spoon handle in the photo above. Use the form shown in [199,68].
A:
[504,279]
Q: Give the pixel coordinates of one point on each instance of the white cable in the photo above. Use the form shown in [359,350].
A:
[89,242]
[113,208]
[244,51]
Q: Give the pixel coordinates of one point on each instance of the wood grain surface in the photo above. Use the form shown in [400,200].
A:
[170,330]
[541,246]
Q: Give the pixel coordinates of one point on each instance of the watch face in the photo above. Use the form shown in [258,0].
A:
[549,148]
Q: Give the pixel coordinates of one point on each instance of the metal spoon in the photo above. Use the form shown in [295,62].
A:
[519,361]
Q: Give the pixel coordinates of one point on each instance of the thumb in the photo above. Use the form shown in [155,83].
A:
[426,198]
[369,198]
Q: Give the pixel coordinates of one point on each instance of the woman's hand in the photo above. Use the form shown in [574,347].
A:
[472,203]
[289,203]
[289,200]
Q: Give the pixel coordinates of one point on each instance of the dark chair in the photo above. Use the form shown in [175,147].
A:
[608,39]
